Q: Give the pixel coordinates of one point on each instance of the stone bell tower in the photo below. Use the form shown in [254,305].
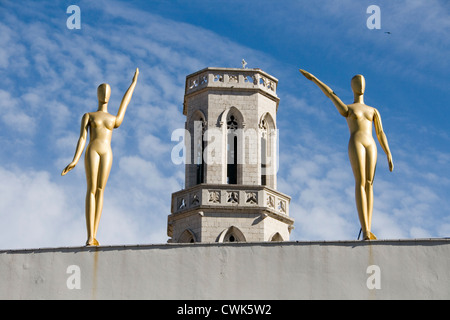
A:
[231,143]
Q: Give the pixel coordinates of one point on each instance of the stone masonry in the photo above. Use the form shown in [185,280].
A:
[231,160]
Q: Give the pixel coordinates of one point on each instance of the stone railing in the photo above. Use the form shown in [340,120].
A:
[242,196]
[231,78]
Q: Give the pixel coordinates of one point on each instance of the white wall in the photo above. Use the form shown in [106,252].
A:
[404,269]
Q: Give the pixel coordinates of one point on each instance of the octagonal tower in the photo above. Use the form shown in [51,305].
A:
[231,145]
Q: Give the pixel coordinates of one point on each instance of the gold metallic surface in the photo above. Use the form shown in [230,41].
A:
[362,149]
[98,157]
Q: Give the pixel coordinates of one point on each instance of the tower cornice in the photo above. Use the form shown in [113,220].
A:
[231,79]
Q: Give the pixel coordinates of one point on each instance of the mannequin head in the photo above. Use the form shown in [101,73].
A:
[103,93]
[358,84]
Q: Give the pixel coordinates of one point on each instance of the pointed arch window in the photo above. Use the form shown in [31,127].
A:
[267,155]
[187,236]
[197,126]
[276,237]
[200,148]
[231,234]
[232,153]
[264,150]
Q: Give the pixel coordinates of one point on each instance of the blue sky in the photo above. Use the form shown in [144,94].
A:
[50,75]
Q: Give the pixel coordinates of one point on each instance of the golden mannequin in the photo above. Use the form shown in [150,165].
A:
[98,156]
[362,149]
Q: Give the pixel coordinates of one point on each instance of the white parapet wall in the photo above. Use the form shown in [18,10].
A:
[383,269]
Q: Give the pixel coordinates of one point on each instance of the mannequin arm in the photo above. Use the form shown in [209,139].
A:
[126,100]
[340,106]
[80,145]
[382,138]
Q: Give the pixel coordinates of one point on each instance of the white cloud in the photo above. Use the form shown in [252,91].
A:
[14,116]
[35,211]
[137,199]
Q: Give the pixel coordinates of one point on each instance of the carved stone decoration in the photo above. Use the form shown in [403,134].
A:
[251,79]
[232,197]
[233,78]
[218,77]
[263,124]
[263,81]
[252,198]
[214,196]
[181,203]
[282,206]
[195,200]
[193,83]
[232,123]
[271,202]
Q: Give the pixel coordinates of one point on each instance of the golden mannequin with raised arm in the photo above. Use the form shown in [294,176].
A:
[362,149]
[98,157]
